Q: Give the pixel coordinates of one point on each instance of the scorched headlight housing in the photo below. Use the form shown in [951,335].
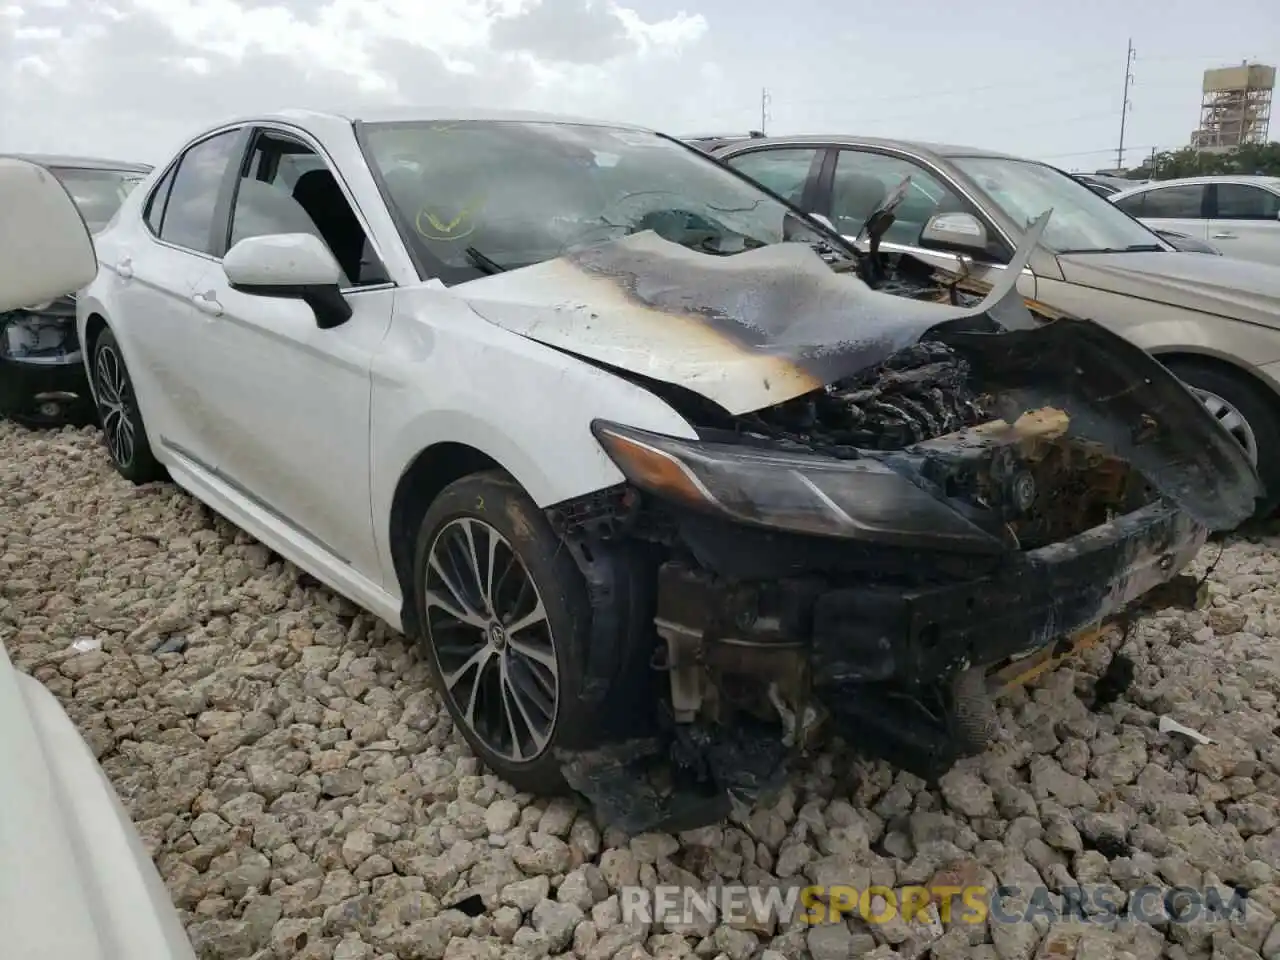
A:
[800,493]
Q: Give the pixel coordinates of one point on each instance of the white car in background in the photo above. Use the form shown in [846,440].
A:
[1240,215]
[75,880]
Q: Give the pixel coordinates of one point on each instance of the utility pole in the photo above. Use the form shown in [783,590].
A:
[1124,107]
[765,99]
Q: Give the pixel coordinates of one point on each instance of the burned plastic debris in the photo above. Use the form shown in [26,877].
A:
[918,393]
[692,777]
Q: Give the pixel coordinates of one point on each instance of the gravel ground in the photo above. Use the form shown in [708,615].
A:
[305,795]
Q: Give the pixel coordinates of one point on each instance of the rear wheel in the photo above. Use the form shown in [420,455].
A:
[122,428]
[1245,411]
[505,621]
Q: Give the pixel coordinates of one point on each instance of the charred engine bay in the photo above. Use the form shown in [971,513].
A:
[1028,476]
[732,666]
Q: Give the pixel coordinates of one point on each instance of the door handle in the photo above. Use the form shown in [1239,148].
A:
[1224,236]
[207,303]
[124,267]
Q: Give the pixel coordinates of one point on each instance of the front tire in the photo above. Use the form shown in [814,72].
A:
[123,431]
[1246,412]
[505,622]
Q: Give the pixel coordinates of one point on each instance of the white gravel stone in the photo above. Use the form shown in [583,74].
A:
[304,795]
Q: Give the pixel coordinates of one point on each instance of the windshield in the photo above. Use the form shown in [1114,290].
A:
[1082,221]
[98,193]
[476,197]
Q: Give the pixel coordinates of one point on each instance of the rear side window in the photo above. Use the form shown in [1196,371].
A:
[1241,201]
[1174,203]
[188,215]
[159,197]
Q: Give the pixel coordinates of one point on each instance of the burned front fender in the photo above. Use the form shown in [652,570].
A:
[1118,396]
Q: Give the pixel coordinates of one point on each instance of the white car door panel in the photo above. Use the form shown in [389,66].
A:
[154,288]
[292,400]
[1246,222]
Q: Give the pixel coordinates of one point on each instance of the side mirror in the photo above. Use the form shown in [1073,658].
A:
[46,251]
[293,265]
[957,232]
[822,219]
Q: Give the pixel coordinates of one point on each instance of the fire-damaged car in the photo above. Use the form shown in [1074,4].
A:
[665,476]
[934,493]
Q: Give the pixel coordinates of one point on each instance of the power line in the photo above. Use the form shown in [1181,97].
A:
[1075,71]
[1088,153]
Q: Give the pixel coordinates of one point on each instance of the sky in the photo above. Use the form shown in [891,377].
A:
[134,79]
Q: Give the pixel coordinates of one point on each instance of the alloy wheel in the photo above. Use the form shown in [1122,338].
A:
[492,639]
[115,404]
[1232,419]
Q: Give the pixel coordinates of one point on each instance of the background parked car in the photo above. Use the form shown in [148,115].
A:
[1240,214]
[1214,321]
[42,377]
[1103,186]
[75,879]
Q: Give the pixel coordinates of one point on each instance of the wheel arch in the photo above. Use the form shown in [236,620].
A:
[1224,364]
[421,482]
[94,326]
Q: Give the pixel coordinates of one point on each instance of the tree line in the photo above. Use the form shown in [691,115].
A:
[1253,158]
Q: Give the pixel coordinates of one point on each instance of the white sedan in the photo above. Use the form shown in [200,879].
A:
[1238,214]
[614,434]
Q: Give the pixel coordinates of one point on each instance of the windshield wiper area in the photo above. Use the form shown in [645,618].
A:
[1132,248]
[483,263]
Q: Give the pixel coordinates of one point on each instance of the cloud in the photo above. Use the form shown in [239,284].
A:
[134,78]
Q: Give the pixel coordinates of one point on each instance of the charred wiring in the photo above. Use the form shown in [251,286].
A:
[920,393]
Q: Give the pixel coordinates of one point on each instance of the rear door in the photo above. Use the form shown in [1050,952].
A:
[162,325]
[1245,221]
[1182,207]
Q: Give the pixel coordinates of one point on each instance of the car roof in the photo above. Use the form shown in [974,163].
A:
[325,123]
[1273,182]
[937,151]
[80,163]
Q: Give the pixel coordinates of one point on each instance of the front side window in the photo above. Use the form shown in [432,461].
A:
[188,216]
[1242,201]
[863,181]
[97,193]
[1183,202]
[784,171]
[473,197]
[1082,221]
[290,189]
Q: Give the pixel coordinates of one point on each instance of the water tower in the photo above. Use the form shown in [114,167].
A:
[1236,107]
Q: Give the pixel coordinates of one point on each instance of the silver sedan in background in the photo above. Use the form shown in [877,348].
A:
[1214,321]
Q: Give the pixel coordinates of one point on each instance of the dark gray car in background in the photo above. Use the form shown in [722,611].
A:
[42,374]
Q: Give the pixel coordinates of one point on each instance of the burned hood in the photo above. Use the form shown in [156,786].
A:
[1222,286]
[744,331]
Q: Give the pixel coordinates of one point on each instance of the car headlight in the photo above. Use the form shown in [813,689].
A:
[802,493]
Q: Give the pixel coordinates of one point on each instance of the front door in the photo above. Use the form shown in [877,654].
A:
[862,180]
[1179,207]
[294,399]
